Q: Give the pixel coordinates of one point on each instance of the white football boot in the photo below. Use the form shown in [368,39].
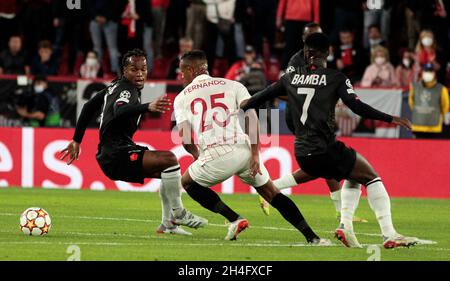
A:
[347,237]
[235,228]
[399,240]
[162,229]
[190,220]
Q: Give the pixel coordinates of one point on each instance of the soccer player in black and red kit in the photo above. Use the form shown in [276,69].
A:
[313,91]
[122,159]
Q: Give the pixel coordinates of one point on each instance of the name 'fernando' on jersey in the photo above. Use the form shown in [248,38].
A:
[211,104]
[313,95]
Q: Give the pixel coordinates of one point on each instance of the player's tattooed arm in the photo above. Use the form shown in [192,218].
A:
[273,91]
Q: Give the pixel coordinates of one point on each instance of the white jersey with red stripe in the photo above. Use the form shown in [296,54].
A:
[211,107]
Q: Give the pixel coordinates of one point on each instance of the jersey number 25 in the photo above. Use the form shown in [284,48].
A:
[214,104]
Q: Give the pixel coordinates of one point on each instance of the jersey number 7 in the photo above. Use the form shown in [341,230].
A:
[214,104]
[309,92]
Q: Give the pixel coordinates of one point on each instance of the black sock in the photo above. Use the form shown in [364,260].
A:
[211,201]
[292,214]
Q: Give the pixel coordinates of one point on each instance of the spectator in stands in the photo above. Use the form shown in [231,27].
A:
[45,62]
[42,109]
[104,18]
[265,24]
[239,68]
[347,14]
[159,11]
[380,73]
[91,67]
[375,39]
[254,79]
[349,56]
[406,71]
[427,52]
[377,13]
[69,26]
[429,102]
[9,21]
[295,14]
[14,59]
[135,30]
[185,45]
[196,22]
[223,28]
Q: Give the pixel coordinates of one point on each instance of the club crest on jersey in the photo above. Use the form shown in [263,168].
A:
[309,79]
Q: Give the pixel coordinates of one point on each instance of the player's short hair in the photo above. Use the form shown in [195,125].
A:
[318,42]
[133,53]
[194,55]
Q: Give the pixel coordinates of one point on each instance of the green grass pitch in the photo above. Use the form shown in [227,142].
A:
[121,226]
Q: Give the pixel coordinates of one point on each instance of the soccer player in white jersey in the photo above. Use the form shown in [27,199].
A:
[209,107]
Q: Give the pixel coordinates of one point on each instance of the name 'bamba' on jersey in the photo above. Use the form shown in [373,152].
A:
[309,79]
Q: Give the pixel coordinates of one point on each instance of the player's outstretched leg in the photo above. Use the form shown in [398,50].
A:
[290,212]
[299,177]
[379,202]
[210,200]
[164,165]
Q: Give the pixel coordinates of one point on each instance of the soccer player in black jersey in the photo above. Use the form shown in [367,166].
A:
[119,157]
[295,178]
[313,91]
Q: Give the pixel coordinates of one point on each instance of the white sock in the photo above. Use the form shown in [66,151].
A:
[336,198]
[381,205]
[171,186]
[165,205]
[350,194]
[285,181]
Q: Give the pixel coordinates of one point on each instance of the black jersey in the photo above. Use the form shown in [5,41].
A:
[312,95]
[121,111]
[297,60]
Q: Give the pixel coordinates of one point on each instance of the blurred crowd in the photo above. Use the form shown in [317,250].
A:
[376,43]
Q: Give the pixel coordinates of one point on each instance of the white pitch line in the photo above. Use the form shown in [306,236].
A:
[114,244]
[166,244]
[211,224]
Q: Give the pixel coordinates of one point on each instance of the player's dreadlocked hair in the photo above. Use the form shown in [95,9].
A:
[133,53]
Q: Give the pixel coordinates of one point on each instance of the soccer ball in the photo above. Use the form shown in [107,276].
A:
[35,221]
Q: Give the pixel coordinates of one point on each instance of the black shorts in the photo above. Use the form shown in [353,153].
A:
[122,163]
[336,163]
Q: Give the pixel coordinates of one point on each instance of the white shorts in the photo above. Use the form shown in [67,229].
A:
[236,162]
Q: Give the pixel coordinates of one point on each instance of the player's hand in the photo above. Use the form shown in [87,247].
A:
[402,122]
[254,166]
[72,150]
[161,104]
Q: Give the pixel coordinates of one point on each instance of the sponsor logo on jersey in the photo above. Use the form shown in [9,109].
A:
[310,79]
